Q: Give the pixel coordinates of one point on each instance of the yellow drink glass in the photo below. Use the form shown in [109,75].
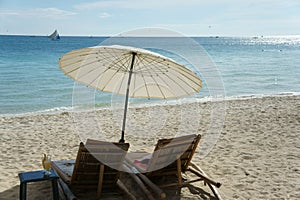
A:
[47,165]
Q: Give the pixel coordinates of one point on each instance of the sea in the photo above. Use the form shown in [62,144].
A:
[32,83]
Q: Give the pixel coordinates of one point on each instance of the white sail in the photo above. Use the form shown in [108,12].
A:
[54,35]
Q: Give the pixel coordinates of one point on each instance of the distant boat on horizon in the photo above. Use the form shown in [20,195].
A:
[54,35]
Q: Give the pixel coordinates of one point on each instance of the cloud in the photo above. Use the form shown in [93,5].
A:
[169,4]
[8,12]
[100,5]
[138,4]
[105,15]
[50,13]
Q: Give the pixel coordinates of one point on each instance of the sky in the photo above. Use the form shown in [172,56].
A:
[188,17]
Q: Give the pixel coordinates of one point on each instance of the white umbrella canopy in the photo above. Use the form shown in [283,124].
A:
[129,71]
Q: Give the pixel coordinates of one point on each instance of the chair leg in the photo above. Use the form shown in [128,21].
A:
[179,172]
[55,189]
[100,181]
[23,188]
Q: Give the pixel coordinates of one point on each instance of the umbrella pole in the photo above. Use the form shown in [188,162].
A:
[126,99]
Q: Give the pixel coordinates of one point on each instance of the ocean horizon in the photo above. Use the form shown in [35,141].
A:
[250,67]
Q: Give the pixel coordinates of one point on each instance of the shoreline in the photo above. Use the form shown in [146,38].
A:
[256,154]
[69,109]
[191,36]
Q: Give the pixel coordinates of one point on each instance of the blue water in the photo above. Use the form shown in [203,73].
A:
[30,79]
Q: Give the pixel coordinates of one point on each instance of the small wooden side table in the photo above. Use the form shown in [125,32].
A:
[35,176]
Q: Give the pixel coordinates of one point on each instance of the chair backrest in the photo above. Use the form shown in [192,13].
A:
[168,151]
[94,155]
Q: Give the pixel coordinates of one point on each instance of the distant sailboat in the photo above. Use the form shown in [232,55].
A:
[54,36]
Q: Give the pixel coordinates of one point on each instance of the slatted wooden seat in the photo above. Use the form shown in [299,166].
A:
[172,157]
[97,166]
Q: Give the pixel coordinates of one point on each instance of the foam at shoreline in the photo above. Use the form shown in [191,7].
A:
[71,109]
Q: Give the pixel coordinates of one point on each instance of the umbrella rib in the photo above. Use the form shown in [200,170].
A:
[80,54]
[109,80]
[176,83]
[120,65]
[140,61]
[85,65]
[146,86]
[156,83]
[193,88]
[177,77]
[149,62]
[134,82]
[180,71]
[160,62]
[80,66]
[153,75]
[188,85]
[72,54]
[90,71]
[120,85]
[187,72]
[149,69]
[188,77]
[147,66]
[167,85]
[116,72]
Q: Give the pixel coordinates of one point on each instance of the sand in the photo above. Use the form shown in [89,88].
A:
[257,155]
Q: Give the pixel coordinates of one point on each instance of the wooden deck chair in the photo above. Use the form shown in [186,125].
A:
[172,157]
[96,166]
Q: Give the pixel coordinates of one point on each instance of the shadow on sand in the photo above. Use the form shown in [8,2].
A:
[35,191]
[43,190]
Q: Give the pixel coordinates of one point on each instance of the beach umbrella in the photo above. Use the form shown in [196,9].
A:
[129,71]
